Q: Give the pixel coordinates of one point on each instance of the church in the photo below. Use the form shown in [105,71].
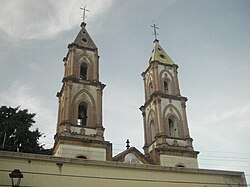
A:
[82,156]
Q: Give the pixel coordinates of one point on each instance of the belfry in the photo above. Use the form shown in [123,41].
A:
[80,131]
[166,133]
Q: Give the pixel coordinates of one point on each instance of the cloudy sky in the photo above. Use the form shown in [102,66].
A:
[208,39]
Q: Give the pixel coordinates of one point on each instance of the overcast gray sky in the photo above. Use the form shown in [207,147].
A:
[208,39]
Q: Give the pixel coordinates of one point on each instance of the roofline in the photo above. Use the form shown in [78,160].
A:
[55,159]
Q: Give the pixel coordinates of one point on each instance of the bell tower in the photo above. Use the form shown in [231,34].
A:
[79,132]
[166,134]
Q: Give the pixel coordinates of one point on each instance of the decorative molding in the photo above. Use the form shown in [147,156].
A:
[81,47]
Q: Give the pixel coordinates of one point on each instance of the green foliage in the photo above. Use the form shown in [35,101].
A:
[15,133]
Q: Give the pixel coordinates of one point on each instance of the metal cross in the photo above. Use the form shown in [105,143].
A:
[127,142]
[155,32]
[84,12]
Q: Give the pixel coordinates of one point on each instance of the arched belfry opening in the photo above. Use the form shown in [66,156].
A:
[83,71]
[166,87]
[166,82]
[82,114]
[173,127]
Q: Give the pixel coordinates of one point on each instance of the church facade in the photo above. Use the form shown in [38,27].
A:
[82,156]
[80,130]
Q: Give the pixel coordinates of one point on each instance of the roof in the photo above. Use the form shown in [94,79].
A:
[83,39]
[158,54]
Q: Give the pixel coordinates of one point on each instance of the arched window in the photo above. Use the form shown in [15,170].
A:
[82,114]
[172,126]
[180,165]
[81,157]
[83,71]
[166,87]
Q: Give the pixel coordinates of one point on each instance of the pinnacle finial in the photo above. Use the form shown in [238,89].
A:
[155,30]
[84,10]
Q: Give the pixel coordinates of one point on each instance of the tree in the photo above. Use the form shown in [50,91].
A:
[15,133]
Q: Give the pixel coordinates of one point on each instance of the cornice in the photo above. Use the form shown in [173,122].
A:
[80,141]
[158,63]
[85,82]
[81,47]
[138,167]
[158,94]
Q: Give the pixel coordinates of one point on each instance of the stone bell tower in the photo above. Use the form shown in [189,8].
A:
[79,132]
[166,134]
